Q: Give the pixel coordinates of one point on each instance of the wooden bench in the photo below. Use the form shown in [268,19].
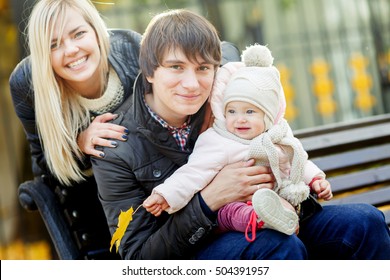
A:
[356,158]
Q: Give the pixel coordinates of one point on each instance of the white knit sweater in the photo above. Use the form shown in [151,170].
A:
[112,97]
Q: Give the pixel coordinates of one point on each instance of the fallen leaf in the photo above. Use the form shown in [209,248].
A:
[124,220]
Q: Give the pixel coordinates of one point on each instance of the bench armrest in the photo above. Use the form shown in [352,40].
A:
[36,195]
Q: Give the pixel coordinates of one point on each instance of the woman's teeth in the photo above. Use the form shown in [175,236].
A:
[76,63]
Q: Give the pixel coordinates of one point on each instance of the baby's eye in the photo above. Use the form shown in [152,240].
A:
[230,111]
[250,111]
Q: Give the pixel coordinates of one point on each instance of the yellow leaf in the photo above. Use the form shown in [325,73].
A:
[124,220]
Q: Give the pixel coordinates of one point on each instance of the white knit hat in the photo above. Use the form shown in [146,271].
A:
[258,83]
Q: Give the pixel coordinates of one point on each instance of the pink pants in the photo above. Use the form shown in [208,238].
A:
[234,216]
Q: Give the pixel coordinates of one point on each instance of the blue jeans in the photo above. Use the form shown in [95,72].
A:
[354,231]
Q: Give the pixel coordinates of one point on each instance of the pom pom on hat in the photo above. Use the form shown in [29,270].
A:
[258,83]
[257,55]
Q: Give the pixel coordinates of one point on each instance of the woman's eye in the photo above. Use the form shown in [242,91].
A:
[54,45]
[79,34]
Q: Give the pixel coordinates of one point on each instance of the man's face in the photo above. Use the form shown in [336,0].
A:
[180,87]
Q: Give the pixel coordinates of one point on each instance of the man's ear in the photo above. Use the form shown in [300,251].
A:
[150,79]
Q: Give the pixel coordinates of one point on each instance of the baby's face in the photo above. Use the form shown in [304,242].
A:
[244,119]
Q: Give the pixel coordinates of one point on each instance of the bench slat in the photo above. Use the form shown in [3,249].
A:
[376,197]
[346,137]
[362,178]
[355,157]
[341,126]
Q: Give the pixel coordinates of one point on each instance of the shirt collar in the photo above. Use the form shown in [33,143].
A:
[180,134]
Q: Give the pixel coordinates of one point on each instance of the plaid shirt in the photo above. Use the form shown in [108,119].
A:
[180,134]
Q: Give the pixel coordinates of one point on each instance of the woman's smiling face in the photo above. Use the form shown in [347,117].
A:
[76,55]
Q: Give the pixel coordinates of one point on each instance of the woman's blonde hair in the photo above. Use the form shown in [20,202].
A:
[59,115]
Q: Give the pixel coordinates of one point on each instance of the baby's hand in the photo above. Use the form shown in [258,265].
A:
[155,204]
[323,189]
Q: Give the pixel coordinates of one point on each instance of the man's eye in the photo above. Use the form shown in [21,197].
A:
[204,68]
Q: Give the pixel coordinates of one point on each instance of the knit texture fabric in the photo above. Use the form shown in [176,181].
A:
[259,86]
[293,189]
[112,97]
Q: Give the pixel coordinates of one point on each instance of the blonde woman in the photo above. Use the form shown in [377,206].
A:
[65,92]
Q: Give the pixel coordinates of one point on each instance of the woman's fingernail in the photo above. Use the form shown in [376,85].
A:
[101,155]
[114,143]
[124,136]
[127,131]
[115,116]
